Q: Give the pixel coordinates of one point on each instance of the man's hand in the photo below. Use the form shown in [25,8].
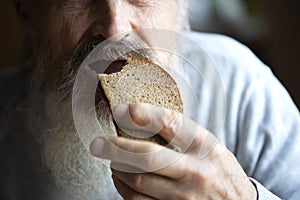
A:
[202,168]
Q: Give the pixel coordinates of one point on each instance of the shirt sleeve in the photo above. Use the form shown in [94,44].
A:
[262,192]
[268,141]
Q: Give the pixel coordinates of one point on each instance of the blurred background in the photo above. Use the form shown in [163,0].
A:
[270,28]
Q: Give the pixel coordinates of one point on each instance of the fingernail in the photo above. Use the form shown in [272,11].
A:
[96,147]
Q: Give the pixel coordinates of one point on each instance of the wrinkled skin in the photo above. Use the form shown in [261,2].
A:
[217,175]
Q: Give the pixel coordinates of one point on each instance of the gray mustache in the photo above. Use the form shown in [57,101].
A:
[105,52]
[109,51]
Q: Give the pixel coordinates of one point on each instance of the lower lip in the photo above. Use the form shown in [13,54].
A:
[122,58]
[107,67]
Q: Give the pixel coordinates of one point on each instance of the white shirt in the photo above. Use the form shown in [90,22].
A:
[243,103]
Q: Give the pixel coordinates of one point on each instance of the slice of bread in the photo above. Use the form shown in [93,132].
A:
[141,81]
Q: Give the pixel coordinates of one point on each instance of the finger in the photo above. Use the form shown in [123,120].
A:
[178,130]
[126,192]
[147,156]
[125,118]
[150,184]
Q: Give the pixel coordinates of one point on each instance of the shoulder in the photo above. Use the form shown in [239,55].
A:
[245,77]
[253,93]
[234,63]
[217,43]
[228,52]
[239,68]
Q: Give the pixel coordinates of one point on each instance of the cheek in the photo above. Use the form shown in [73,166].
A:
[60,33]
[165,17]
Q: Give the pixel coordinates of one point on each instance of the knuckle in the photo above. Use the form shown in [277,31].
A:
[138,182]
[218,150]
[148,162]
[204,137]
[152,160]
[205,143]
[198,179]
[197,142]
[150,148]
[172,121]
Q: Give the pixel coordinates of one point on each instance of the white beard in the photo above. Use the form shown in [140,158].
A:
[73,169]
[74,172]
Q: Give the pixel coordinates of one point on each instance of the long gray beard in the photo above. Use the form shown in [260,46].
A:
[72,166]
[73,170]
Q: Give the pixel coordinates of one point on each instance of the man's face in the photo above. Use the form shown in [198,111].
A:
[62,25]
[66,22]
[65,32]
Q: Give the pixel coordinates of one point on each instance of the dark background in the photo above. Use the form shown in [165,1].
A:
[271,28]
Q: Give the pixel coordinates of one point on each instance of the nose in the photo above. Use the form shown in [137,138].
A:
[113,19]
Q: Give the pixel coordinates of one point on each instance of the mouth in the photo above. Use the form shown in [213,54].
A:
[116,65]
[109,67]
